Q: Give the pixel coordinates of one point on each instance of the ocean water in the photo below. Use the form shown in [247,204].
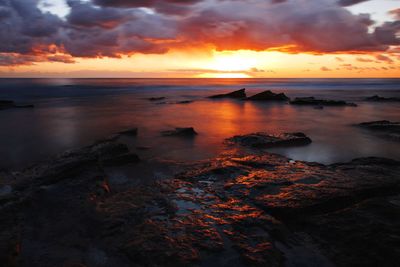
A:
[70,113]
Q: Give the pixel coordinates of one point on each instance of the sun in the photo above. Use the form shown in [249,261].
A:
[224,75]
[232,61]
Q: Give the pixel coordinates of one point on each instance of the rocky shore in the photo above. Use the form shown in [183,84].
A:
[242,208]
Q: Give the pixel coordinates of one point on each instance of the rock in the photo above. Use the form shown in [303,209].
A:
[232,210]
[319,107]
[268,96]
[381,125]
[384,128]
[320,102]
[265,140]
[185,102]
[131,132]
[156,98]
[239,94]
[122,159]
[188,132]
[6,104]
[377,98]
[5,190]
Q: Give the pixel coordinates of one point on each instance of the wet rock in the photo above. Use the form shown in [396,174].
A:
[185,102]
[233,210]
[239,94]
[122,159]
[265,140]
[268,96]
[384,128]
[184,132]
[5,191]
[7,104]
[131,132]
[156,98]
[320,102]
[377,98]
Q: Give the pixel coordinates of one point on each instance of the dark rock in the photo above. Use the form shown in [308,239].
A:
[233,210]
[385,129]
[268,96]
[6,104]
[382,126]
[180,132]
[131,132]
[377,98]
[265,140]
[157,98]
[320,102]
[239,94]
[122,159]
[185,102]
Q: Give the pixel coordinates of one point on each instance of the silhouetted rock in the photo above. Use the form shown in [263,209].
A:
[156,98]
[6,104]
[312,101]
[265,140]
[268,96]
[131,132]
[180,132]
[377,98]
[239,94]
[381,125]
[184,102]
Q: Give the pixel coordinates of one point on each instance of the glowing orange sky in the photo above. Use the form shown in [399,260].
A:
[171,39]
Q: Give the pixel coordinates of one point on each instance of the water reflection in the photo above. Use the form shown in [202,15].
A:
[60,123]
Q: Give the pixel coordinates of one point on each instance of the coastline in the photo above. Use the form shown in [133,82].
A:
[238,209]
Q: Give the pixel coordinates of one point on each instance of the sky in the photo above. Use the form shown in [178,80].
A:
[200,38]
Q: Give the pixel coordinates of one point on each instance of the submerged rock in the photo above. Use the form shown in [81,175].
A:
[320,102]
[239,94]
[132,132]
[268,96]
[156,98]
[265,140]
[377,98]
[184,102]
[386,128]
[7,104]
[188,132]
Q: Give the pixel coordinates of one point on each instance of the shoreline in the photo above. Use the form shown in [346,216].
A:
[246,209]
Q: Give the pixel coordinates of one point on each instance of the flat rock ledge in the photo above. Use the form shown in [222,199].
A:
[7,104]
[234,210]
[386,128]
[312,101]
[377,98]
[182,132]
[265,140]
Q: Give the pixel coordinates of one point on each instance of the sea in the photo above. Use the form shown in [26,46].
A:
[71,113]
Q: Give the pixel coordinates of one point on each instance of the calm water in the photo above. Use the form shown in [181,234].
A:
[70,113]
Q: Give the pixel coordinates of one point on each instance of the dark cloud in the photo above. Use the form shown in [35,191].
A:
[350,2]
[112,28]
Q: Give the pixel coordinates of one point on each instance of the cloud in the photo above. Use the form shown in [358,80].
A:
[112,28]
[384,58]
[350,2]
[326,69]
[361,59]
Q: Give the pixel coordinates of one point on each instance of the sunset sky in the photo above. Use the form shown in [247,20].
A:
[200,38]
